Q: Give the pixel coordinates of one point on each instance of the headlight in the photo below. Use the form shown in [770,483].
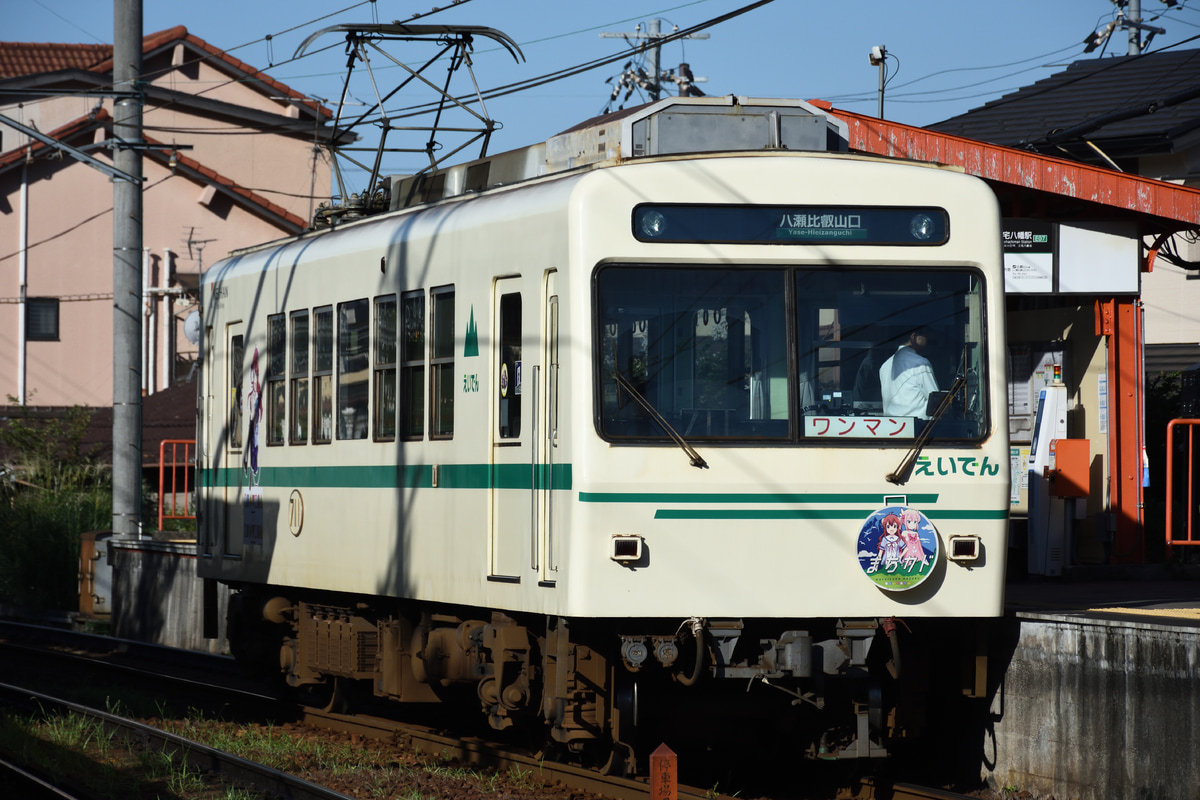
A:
[921,227]
[652,224]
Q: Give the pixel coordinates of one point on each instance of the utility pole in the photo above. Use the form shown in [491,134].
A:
[127,268]
[653,33]
[1135,33]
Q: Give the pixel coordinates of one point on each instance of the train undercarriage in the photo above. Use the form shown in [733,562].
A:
[607,692]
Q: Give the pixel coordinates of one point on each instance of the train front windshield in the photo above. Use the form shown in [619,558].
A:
[790,354]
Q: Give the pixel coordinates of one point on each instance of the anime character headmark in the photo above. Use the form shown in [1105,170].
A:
[911,536]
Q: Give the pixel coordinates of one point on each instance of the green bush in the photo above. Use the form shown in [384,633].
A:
[50,492]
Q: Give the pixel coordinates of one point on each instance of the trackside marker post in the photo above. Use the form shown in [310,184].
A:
[664,774]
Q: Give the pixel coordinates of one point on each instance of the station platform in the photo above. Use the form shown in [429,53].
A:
[1133,591]
[1092,680]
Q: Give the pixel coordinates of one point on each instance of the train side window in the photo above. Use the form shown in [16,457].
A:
[276,374]
[353,369]
[412,366]
[323,376]
[385,368]
[441,361]
[299,373]
[237,357]
[509,385]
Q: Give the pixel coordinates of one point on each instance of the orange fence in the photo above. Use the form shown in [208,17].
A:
[1185,476]
[176,480]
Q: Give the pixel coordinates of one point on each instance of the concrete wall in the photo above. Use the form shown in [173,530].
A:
[1093,709]
[157,597]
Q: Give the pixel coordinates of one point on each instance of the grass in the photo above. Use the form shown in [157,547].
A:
[81,751]
[85,752]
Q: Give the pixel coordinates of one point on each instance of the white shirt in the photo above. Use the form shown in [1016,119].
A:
[905,381]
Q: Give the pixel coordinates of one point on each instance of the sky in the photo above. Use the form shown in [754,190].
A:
[944,57]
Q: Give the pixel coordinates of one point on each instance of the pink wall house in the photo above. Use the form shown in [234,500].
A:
[258,156]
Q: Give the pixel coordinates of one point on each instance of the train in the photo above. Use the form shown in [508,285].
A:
[590,438]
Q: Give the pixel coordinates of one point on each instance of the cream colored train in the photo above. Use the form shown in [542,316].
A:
[592,436]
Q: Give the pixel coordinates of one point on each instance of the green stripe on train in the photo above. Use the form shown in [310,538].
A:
[815,513]
[414,476]
[709,498]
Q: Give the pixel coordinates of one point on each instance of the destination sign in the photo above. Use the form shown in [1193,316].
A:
[836,225]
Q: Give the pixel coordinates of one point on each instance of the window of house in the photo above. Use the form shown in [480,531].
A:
[41,319]
[442,364]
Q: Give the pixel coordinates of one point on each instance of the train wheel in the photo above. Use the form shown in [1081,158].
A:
[331,696]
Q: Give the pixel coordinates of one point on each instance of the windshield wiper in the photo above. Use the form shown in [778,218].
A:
[623,382]
[900,475]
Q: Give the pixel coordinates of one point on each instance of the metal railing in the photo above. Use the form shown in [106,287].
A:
[176,501]
[1188,473]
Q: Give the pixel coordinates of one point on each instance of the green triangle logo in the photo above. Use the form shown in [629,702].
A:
[471,344]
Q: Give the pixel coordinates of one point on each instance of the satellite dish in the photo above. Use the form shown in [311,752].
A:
[191,327]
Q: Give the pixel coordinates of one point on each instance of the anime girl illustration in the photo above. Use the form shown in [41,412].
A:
[253,418]
[911,535]
[890,542]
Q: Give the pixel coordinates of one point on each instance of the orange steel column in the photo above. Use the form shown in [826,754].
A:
[1120,320]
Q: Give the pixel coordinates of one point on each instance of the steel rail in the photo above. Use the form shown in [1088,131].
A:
[232,768]
[475,752]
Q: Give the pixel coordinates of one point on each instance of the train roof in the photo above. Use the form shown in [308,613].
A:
[672,126]
[675,127]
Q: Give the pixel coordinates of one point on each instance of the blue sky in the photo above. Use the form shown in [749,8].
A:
[948,56]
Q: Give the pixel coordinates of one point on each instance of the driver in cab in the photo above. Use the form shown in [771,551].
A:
[906,379]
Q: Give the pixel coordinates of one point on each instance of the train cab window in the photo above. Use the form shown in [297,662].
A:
[237,358]
[703,351]
[385,368]
[412,366]
[442,364]
[353,376]
[508,385]
[299,378]
[323,375]
[856,325]
[276,399]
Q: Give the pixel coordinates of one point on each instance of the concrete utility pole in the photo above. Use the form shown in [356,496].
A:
[127,268]
[1135,33]
[653,32]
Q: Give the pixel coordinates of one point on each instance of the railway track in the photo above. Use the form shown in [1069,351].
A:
[231,768]
[85,652]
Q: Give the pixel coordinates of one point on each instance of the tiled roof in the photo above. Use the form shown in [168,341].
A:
[199,171]
[30,58]
[1127,105]
[208,175]
[24,58]
[62,134]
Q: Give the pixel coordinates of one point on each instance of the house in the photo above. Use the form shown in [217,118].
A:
[232,158]
[1138,114]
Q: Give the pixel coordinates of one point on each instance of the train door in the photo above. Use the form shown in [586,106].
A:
[232,475]
[512,464]
[545,386]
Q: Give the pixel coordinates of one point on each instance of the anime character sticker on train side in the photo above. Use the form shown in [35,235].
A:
[897,548]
